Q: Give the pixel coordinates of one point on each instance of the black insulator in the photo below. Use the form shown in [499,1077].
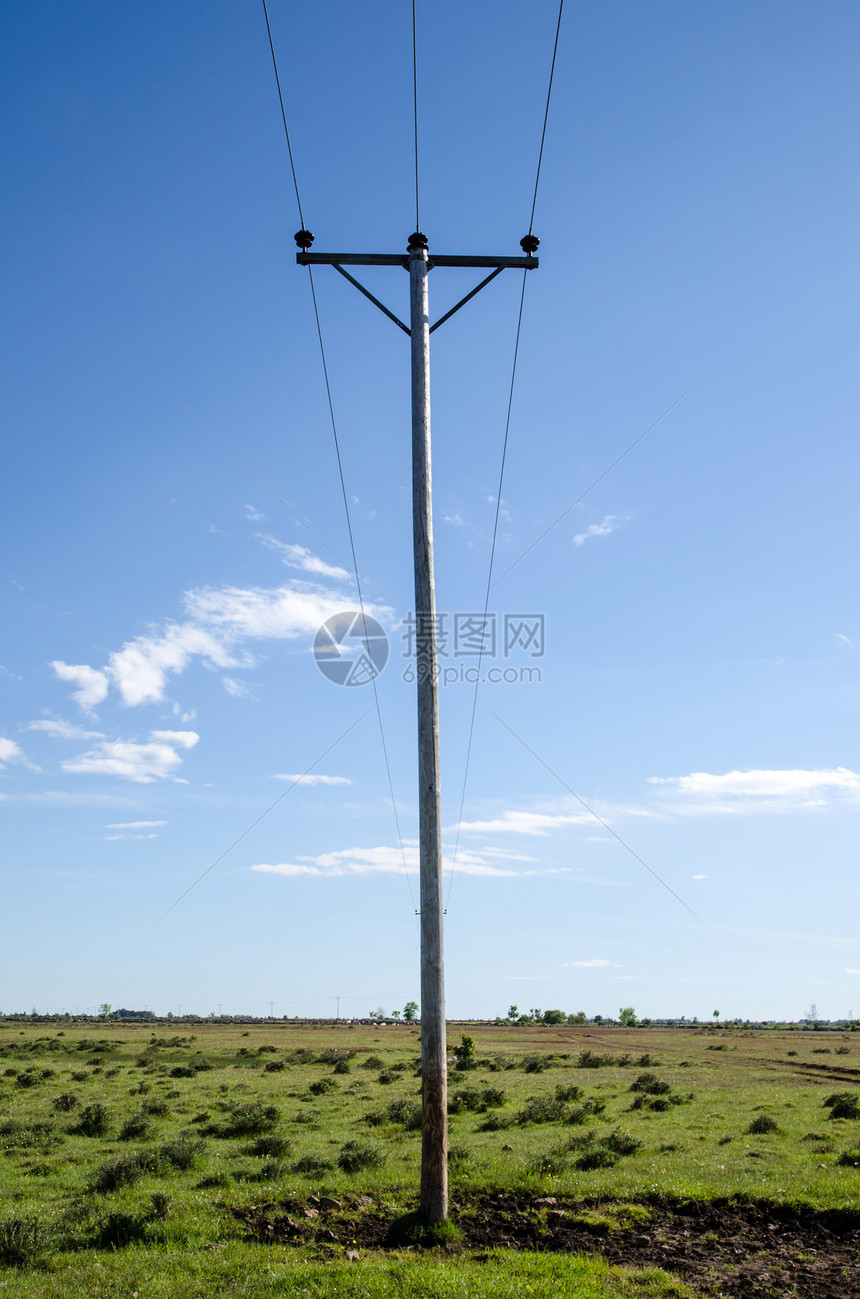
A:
[304,239]
[417,241]
[530,244]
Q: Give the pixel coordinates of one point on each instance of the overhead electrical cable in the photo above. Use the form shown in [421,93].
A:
[263,483]
[546,115]
[269,809]
[502,464]
[591,812]
[358,584]
[415,106]
[591,486]
[284,115]
[337,441]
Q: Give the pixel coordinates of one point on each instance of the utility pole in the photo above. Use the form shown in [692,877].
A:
[337,999]
[434,1070]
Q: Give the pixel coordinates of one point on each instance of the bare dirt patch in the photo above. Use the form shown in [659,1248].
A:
[718,1247]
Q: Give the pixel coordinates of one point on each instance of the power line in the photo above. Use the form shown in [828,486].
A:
[415,107]
[358,584]
[591,486]
[334,421]
[262,815]
[592,812]
[284,115]
[504,456]
[489,582]
[263,483]
[546,114]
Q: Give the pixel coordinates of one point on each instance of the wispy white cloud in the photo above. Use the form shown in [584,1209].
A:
[238,689]
[92,683]
[141,763]
[698,877]
[524,822]
[609,524]
[112,838]
[844,640]
[588,965]
[254,515]
[11,752]
[300,557]
[385,860]
[850,971]
[314,779]
[219,622]
[61,730]
[738,792]
[134,825]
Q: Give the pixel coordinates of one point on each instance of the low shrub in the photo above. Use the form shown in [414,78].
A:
[590,1107]
[341,1066]
[157,1107]
[182,1152]
[119,1229]
[94,1121]
[843,1105]
[355,1156]
[275,1066]
[250,1119]
[549,1165]
[321,1086]
[654,1104]
[212,1181]
[537,1063]
[66,1102]
[160,1205]
[372,1062]
[135,1128]
[476,1100]
[849,1159]
[762,1124]
[591,1060]
[541,1109]
[407,1113]
[311,1164]
[387,1077]
[621,1143]
[650,1085]
[568,1092]
[121,1170]
[269,1144]
[20,1241]
[598,1157]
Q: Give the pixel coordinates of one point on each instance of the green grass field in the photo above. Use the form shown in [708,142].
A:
[133,1155]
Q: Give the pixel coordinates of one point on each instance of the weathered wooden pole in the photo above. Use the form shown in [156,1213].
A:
[434,1067]
[434,1070]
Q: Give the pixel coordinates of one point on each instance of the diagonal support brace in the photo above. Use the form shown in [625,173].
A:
[468,297]
[375,301]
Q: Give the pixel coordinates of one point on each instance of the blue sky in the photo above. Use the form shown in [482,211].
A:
[698,211]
